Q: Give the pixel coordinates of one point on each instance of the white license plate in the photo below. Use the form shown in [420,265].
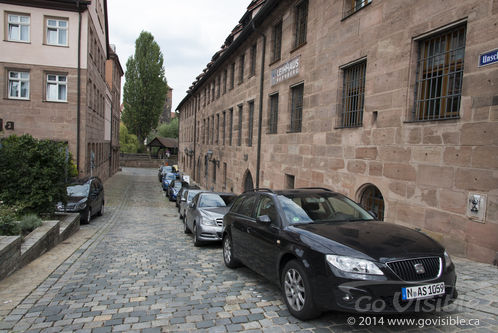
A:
[426,291]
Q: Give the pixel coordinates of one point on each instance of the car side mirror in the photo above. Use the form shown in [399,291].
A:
[191,205]
[374,214]
[183,199]
[263,219]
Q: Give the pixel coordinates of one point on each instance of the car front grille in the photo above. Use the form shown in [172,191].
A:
[406,270]
[219,222]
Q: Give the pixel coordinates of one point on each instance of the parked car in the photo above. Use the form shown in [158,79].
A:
[164,169]
[173,189]
[186,199]
[167,179]
[185,186]
[328,253]
[85,196]
[204,217]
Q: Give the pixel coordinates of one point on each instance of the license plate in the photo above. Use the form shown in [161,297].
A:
[426,291]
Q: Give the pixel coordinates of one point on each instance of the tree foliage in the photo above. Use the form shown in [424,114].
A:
[169,130]
[128,142]
[145,87]
[34,173]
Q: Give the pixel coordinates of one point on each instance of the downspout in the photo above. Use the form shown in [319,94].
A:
[261,85]
[195,137]
[78,108]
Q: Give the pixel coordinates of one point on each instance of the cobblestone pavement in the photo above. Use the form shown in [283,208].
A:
[140,272]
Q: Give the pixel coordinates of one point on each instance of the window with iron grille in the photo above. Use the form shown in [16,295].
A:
[250,124]
[214,172]
[353,95]
[301,23]
[218,87]
[273,116]
[239,140]
[230,129]
[232,75]
[212,129]
[276,42]
[204,131]
[439,76]
[296,107]
[213,89]
[241,67]
[224,175]
[253,60]
[352,6]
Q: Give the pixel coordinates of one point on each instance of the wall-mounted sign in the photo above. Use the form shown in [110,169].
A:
[286,71]
[9,125]
[488,58]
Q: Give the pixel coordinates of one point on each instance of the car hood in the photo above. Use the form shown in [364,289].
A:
[213,212]
[380,241]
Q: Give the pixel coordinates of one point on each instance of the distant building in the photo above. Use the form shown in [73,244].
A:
[54,61]
[166,114]
[393,103]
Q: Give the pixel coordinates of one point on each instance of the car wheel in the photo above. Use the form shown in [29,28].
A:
[101,211]
[197,242]
[296,290]
[185,227]
[228,257]
[86,216]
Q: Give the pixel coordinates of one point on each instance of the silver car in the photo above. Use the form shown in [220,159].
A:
[186,199]
[204,217]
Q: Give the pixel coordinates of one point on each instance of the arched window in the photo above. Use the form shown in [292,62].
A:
[372,200]
[248,184]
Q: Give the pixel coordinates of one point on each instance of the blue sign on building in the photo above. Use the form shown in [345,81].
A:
[488,58]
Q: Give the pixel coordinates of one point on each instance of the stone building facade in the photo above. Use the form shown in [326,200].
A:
[392,103]
[53,68]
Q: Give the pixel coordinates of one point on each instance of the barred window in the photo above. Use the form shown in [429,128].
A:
[251,122]
[239,140]
[439,76]
[253,60]
[224,125]
[353,95]
[301,23]
[296,107]
[217,129]
[352,6]
[273,117]
[276,42]
[218,87]
[212,129]
[225,75]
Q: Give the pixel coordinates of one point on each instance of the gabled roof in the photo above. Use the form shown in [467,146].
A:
[159,141]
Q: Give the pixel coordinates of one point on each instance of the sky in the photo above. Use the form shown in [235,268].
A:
[188,32]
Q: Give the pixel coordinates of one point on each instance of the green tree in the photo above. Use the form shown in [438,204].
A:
[128,142]
[169,130]
[34,173]
[144,90]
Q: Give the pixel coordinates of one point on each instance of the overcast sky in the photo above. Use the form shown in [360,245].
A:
[189,32]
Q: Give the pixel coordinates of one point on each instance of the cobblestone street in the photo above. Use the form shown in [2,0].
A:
[140,272]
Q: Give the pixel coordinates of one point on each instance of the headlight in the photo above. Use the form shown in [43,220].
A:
[208,222]
[81,205]
[447,259]
[353,265]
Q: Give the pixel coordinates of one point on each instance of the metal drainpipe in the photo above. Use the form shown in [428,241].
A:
[261,85]
[78,108]
[195,138]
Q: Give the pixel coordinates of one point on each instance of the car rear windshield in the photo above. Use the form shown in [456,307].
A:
[211,200]
[178,186]
[311,207]
[170,176]
[78,190]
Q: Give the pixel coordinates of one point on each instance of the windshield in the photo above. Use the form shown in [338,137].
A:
[78,190]
[167,169]
[312,207]
[170,176]
[211,200]
[191,195]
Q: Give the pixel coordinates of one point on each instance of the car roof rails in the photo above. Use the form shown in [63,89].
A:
[259,189]
[315,188]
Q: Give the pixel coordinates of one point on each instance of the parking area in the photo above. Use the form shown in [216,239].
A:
[140,272]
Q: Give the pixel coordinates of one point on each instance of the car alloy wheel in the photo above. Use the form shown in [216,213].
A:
[228,257]
[297,291]
[196,240]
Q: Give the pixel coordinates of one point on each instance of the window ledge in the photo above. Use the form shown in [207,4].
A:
[50,101]
[298,47]
[274,62]
[17,41]
[17,99]
[352,12]
[346,127]
[430,120]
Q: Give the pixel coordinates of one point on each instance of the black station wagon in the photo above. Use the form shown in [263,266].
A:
[328,253]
